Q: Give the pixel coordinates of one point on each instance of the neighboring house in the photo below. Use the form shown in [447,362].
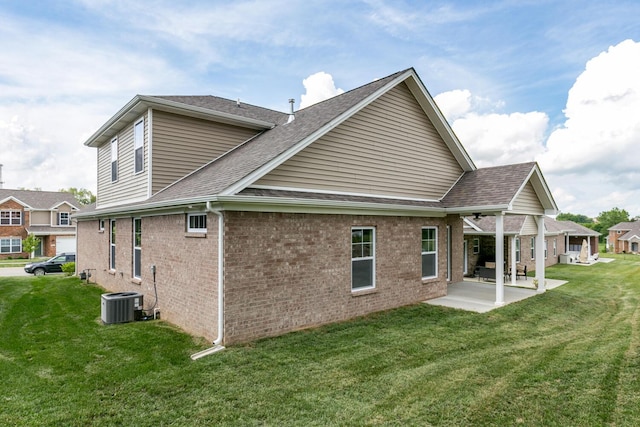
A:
[46,214]
[520,231]
[247,222]
[624,237]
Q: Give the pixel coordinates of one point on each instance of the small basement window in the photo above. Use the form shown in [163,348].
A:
[197,223]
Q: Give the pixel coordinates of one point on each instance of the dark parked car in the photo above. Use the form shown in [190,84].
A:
[52,265]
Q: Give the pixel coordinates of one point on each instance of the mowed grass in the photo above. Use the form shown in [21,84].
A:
[569,357]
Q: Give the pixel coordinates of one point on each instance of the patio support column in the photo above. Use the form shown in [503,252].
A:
[499,259]
[588,248]
[512,257]
[540,253]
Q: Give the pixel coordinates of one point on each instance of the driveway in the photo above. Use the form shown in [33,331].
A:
[13,272]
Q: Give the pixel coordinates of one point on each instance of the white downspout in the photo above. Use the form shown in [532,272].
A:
[217,343]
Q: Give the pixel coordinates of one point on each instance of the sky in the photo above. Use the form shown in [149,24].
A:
[557,82]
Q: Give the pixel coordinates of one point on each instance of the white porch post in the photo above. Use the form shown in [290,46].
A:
[499,259]
[588,248]
[512,257]
[540,253]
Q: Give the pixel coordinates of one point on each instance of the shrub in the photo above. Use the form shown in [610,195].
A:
[69,268]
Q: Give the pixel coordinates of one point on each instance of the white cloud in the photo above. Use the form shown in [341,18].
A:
[492,138]
[594,154]
[319,86]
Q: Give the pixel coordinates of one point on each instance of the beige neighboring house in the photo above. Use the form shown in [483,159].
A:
[238,222]
[46,214]
[624,237]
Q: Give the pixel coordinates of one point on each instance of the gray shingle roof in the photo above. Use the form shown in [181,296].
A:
[41,200]
[488,186]
[216,103]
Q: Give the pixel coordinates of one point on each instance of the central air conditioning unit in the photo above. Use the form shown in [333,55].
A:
[121,307]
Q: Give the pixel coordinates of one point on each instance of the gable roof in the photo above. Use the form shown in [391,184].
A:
[228,178]
[39,200]
[495,189]
[514,224]
[237,169]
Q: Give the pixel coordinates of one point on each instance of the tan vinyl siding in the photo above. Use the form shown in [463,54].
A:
[529,227]
[183,144]
[388,148]
[40,218]
[527,201]
[129,186]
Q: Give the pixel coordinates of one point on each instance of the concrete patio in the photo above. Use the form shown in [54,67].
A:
[480,296]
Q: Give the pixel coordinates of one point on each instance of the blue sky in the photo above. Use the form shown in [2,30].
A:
[501,71]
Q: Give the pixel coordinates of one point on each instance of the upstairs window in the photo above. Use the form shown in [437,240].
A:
[429,252]
[10,218]
[363,260]
[197,223]
[138,146]
[63,218]
[114,159]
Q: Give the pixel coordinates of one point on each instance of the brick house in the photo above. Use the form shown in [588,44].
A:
[260,222]
[624,237]
[46,214]
[520,231]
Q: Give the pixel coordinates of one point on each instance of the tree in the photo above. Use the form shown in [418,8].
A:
[82,195]
[30,243]
[608,219]
[577,218]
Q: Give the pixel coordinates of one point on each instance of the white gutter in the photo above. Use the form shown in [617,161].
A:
[217,343]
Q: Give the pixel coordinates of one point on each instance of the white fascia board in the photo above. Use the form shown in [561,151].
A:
[471,224]
[484,210]
[6,199]
[304,143]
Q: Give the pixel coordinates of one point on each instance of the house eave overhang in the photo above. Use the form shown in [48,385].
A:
[141,103]
[266,204]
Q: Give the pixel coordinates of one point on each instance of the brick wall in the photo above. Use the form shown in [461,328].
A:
[290,271]
[14,230]
[282,271]
[186,268]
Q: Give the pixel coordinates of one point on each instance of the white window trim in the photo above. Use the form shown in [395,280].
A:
[476,245]
[546,248]
[555,247]
[11,217]
[60,214]
[533,248]
[139,248]
[435,252]
[372,258]
[137,146]
[196,230]
[114,158]
[518,249]
[112,244]
[11,240]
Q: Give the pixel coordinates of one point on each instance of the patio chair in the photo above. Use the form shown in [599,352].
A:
[521,271]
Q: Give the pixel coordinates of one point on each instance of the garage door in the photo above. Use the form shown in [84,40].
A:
[65,244]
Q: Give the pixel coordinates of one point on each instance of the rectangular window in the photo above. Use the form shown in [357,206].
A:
[10,218]
[517,249]
[63,218]
[429,252]
[546,245]
[476,246]
[197,223]
[363,261]
[137,247]
[138,146]
[11,245]
[114,159]
[555,247]
[112,245]
[533,248]
[101,225]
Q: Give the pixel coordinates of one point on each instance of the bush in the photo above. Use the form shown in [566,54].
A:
[69,268]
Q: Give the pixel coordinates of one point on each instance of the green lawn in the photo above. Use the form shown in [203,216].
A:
[569,357]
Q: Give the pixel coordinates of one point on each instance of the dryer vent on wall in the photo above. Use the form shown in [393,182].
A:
[121,307]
